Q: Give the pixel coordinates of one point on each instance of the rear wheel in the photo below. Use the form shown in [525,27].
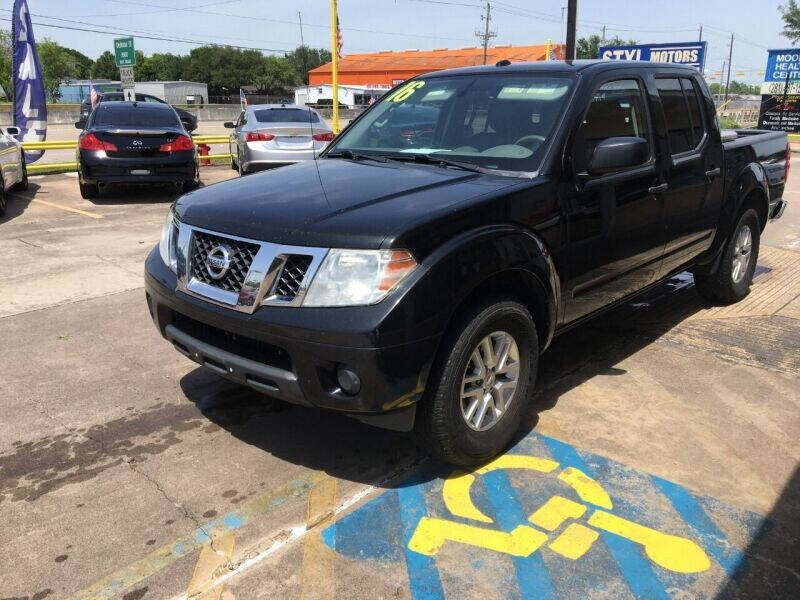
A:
[478,394]
[192,184]
[89,191]
[731,281]
[3,201]
[23,183]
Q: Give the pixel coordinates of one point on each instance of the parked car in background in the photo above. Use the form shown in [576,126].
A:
[188,119]
[415,287]
[273,135]
[12,163]
[135,142]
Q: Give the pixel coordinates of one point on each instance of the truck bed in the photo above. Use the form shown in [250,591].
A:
[768,148]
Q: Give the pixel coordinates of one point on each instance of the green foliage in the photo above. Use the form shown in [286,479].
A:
[736,87]
[5,61]
[160,67]
[81,64]
[58,65]
[791,21]
[728,123]
[303,59]
[587,47]
[105,67]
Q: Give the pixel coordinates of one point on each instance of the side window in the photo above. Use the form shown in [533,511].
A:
[676,115]
[617,109]
[240,121]
[695,110]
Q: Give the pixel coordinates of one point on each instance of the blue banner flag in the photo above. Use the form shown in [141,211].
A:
[30,101]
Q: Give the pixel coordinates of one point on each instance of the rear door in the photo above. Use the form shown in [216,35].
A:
[614,221]
[692,163]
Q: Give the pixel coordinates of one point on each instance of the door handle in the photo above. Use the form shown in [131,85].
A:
[657,189]
[713,173]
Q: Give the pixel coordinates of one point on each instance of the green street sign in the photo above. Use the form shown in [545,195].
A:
[123,52]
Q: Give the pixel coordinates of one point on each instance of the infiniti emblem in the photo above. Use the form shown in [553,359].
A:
[218,261]
[137,142]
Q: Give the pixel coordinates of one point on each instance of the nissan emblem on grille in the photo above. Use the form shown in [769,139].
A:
[218,261]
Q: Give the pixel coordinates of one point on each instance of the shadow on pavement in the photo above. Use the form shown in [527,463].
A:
[18,202]
[764,572]
[347,449]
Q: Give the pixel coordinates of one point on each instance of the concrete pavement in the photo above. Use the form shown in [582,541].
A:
[128,472]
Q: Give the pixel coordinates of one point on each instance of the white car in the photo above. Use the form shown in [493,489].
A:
[12,163]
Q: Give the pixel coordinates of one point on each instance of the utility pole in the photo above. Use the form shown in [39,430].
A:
[302,46]
[730,58]
[603,36]
[721,77]
[572,15]
[700,37]
[486,35]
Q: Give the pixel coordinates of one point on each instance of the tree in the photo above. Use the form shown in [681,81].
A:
[81,64]
[587,47]
[791,21]
[223,68]
[303,59]
[736,87]
[161,67]
[58,65]
[5,61]
[105,67]
[275,76]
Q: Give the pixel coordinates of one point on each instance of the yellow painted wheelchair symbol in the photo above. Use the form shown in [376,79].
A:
[668,551]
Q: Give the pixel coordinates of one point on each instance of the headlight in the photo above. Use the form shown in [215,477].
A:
[353,277]
[169,239]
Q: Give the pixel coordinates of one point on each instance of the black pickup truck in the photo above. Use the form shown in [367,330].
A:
[413,275]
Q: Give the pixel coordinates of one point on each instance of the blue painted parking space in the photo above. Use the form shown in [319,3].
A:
[547,520]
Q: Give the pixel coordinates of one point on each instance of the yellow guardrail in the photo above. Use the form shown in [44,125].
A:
[72,144]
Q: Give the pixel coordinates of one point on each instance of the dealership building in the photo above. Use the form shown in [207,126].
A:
[362,76]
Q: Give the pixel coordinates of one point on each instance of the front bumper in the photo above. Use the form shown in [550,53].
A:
[287,352]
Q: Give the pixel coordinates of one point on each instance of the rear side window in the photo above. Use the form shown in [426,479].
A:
[682,113]
[122,115]
[285,115]
[617,110]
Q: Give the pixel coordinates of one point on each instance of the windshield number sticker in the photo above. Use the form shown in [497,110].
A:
[405,92]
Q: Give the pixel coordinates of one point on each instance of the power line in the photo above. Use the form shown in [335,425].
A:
[151,37]
[485,35]
[162,9]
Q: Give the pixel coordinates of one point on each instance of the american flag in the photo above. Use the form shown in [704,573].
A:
[338,39]
[242,98]
[93,95]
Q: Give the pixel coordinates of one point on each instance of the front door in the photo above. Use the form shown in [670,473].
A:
[614,221]
[692,170]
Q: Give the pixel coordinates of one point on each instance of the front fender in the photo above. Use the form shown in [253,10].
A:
[468,262]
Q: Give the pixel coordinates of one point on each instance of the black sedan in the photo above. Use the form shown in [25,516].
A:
[188,119]
[134,142]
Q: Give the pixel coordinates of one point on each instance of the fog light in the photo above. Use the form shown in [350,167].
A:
[348,380]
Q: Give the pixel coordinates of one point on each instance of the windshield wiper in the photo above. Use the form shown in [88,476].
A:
[429,159]
[355,156]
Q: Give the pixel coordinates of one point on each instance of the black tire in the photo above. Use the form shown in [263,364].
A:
[89,191]
[3,201]
[192,184]
[22,185]
[234,166]
[440,426]
[721,286]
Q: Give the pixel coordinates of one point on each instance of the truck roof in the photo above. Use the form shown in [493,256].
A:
[559,66]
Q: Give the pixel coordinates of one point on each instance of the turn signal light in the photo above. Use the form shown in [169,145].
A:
[90,141]
[400,264]
[323,137]
[179,144]
[258,136]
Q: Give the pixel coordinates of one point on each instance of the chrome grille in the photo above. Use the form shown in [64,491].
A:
[241,256]
[292,274]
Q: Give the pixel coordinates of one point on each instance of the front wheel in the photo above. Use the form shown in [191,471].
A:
[478,393]
[3,200]
[22,184]
[731,281]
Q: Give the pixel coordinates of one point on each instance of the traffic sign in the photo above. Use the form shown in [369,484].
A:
[124,54]
[126,77]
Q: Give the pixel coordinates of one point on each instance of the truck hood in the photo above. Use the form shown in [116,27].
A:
[333,203]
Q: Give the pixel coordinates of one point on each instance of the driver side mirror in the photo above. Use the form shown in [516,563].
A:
[80,125]
[618,153]
[228,125]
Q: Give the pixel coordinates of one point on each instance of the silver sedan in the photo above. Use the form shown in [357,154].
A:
[12,164]
[271,135]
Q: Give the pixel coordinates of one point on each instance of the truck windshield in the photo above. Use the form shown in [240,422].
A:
[499,121]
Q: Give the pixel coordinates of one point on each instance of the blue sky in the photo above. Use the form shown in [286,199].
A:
[370,25]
